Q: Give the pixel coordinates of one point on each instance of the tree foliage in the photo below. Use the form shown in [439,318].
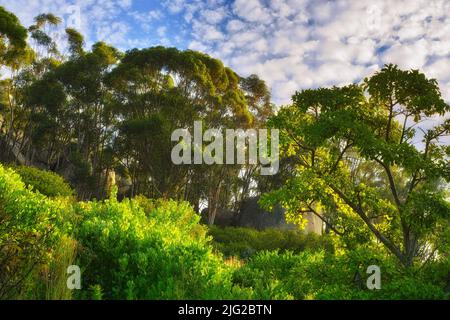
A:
[370,160]
[358,168]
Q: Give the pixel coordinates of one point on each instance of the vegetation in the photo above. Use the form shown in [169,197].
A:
[110,200]
[126,250]
[46,182]
[127,253]
[358,169]
[33,239]
[320,275]
[244,243]
[130,255]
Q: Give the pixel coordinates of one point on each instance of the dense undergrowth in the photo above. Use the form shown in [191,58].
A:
[246,242]
[156,249]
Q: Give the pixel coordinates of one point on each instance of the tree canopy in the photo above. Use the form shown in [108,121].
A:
[359,168]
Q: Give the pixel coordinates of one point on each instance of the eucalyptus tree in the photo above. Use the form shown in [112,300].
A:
[76,42]
[40,33]
[73,120]
[359,167]
[12,37]
[258,97]
[158,90]
[14,55]
[29,64]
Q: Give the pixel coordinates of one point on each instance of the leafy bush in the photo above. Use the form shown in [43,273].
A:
[31,231]
[319,275]
[163,253]
[135,249]
[245,242]
[156,249]
[46,182]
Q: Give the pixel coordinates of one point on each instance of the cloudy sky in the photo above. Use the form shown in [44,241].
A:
[292,44]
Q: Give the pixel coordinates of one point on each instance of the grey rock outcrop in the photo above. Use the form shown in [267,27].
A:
[251,215]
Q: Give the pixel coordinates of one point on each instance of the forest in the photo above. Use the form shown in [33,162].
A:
[87,182]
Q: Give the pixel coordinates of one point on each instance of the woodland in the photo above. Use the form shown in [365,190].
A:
[86,178]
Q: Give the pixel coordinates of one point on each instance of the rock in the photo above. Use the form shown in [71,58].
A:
[251,215]
[224,217]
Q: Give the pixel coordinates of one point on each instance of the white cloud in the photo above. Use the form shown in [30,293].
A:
[252,10]
[235,25]
[446,91]
[175,6]
[408,56]
[115,32]
[320,42]
[161,31]
[146,19]
[292,44]
[213,16]
[125,3]
[439,69]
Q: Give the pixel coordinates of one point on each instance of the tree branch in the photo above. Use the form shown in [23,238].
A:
[391,182]
[388,243]
[329,225]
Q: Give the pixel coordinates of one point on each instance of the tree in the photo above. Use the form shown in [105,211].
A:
[76,42]
[158,90]
[72,122]
[359,167]
[259,102]
[16,34]
[91,112]
[258,98]
[14,55]
[41,34]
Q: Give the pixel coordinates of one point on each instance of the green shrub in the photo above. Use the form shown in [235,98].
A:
[320,275]
[46,182]
[31,231]
[135,249]
[245,242]
[156,249]
[161,253]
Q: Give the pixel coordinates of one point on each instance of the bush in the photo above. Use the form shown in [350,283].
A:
[31,233]
[161,253]
[156,249]
[135,249]
[245,242]
[320,275]
[46,182]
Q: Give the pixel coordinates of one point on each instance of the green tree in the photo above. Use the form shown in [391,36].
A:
[158,90]
[76,42]
[72,122]
[359,167]
[15,34]
[14,55]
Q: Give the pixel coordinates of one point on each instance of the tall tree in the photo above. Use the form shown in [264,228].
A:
[73,122]
[15,33]
[158,90]
[14,56]
[337,134]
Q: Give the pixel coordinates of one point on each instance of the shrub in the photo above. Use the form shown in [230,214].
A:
[163,253]
[156,249]
[245,242]
[135,249]
[30,233]
[46,182]
[320,275]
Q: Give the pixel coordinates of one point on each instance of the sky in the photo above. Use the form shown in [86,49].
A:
[291,44]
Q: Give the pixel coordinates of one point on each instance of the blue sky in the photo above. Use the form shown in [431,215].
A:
[292,44]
